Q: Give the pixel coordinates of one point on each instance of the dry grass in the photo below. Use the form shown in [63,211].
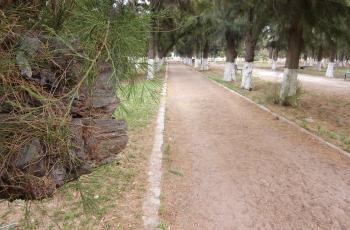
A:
[323,113]
[110,197]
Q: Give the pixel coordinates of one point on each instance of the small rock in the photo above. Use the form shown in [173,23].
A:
[31,158]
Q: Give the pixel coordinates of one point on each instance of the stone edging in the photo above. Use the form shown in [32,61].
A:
[151,202]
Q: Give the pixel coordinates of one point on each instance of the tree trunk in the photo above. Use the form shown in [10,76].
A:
[231,54]
[341,59]
[330,67]
[290,77]
[189,56]
[274,58]
[270,49]
[151,56]
[305,59]
[319,58]
[250,43]
[197,62]
[152,49]
[205,64]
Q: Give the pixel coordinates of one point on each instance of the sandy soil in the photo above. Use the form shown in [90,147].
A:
[233,166]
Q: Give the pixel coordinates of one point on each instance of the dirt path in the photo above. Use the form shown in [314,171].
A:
[233,166]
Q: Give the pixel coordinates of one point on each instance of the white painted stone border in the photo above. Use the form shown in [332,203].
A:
[151,203]
[282,118]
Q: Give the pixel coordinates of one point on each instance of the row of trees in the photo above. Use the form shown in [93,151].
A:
[199,28]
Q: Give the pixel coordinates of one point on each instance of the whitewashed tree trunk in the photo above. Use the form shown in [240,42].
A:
[247,76]
[189,62]
[289,83]
[325,63]
[319,65]
[205,64]
[274,65]
[311,62]
[230,73]
[157,65]
[150,69]
[197,63]
[330,70]
[162,61]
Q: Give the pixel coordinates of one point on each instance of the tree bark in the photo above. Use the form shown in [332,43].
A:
[270,49]
[319,58]
[205,64]
[330,66]
[250,43]
[231,54]
[290,77]
[274,58]
[151,56]
[151,45]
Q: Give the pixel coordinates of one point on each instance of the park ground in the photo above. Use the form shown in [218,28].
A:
[225,162]
[323,107]
[230,164]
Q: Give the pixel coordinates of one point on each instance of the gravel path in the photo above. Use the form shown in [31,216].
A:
[234,166]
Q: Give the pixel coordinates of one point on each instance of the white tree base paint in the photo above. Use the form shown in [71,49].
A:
[151,203]
[205,64]
[274,65]
[325,63]
[289,83]
[247,76]
[230,73]
[319,65]
[284,119]
[311,62]
[162,61]
[197,63]
[189,61]
[330,70]
[150,69]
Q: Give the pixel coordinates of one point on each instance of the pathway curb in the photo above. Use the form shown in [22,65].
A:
[151,202]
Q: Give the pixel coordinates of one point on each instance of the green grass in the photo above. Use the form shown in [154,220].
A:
[138,101]
[343,139]
[162,226]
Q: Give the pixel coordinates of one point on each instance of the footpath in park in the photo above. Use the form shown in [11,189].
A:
[231,165]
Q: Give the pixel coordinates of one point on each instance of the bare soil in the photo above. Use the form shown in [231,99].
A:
[324,106]
[230,165]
